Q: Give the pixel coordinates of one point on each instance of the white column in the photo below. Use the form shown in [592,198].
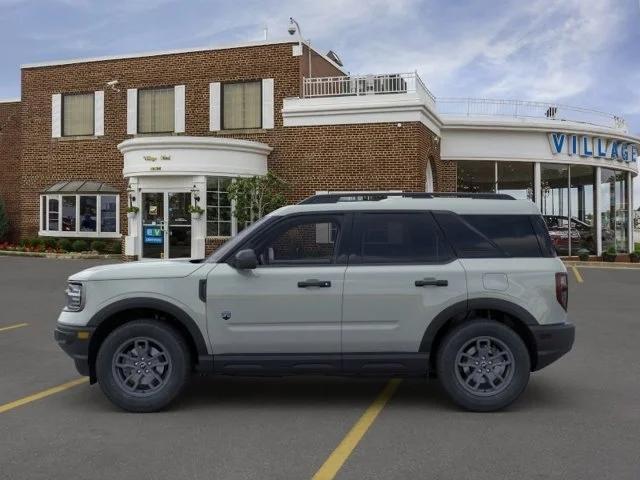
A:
[132,241]
[199,226]
[630,211]
[598,212]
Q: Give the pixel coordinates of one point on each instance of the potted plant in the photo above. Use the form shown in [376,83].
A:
[634,256]
[132,212]
[196,211]
[583,255]
[610,255]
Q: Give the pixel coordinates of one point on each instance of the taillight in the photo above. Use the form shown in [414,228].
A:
[562,289]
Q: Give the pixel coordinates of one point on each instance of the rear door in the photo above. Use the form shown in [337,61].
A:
[401,274]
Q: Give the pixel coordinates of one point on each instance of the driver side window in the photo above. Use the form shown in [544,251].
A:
[306,241]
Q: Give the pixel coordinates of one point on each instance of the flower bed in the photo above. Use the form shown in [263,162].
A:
[62,248]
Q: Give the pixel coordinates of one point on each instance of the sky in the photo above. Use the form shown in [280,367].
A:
[578,52]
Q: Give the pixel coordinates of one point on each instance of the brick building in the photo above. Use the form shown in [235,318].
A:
[165,130]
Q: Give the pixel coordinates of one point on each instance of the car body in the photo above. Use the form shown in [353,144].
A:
[355,284]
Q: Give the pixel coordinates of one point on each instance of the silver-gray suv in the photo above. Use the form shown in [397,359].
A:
[465,288]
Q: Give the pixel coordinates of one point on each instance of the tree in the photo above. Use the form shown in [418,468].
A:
[4,221]
[254,197]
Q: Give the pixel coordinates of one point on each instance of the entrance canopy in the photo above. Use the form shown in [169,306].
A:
[81,186]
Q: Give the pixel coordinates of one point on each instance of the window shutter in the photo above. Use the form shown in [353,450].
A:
[56,115]
[132,111]
[267,103]
[178,99]
[98,113]
[214,107]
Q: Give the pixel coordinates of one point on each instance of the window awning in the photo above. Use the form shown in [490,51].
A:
[81,186]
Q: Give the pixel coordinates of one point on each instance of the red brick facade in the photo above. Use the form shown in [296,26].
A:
[339,157]
[10,161]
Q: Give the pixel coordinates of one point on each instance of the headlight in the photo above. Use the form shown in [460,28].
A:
[74,297]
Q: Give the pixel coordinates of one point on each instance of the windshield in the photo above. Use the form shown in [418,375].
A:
[235,241]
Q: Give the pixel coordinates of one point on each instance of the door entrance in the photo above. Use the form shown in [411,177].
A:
[166,225]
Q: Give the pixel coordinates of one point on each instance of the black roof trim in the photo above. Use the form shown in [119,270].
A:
[375,196]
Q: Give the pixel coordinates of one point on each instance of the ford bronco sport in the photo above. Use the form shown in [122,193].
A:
[466,288]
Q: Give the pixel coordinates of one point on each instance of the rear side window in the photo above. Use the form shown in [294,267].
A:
[409,238]
[489,236]
[540,227]
[514,234]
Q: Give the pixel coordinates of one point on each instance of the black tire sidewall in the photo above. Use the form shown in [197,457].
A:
[177,349]
[446,364]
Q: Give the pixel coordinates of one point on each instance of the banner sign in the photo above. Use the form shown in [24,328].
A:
[589,146]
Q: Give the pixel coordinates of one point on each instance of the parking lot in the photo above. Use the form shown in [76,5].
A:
[578,419]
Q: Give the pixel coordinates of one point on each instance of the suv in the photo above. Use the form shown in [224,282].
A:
[465,288]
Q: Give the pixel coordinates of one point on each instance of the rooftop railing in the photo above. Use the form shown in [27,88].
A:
[479,107]
[356,85]
[403,83]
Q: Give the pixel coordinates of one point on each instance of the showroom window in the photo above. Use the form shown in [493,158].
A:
[242,105]
[156,110]
[516,179]
[614,192]
[512,178]
[78,114]
[76,209]
[582,203]
[554,195]
[219,210]
[476,176]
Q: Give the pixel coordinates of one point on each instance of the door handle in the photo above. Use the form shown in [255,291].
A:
[431,282]
[314,283]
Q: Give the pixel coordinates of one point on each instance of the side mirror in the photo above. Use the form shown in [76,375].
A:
[245,260]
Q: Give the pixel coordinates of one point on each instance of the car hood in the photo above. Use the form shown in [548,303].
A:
[138,270]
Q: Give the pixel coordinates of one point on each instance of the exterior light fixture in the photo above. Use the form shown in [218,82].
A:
[293,28]
[196,194]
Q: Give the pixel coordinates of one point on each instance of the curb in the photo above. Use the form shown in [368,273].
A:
[62,256]
[603,265]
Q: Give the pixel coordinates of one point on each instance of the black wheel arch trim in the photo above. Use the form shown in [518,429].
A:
[463,308]
[154,304]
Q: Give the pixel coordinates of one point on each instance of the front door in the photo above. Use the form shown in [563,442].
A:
[166,225]
[291,303]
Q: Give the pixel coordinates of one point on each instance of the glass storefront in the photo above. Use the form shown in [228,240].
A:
[614,192]
[568,199]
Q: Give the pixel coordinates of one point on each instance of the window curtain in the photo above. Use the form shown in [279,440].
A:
[156,110]
[77,114]
[242,105]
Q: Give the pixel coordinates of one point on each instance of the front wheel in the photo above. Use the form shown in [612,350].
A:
[143,365]
[483,365]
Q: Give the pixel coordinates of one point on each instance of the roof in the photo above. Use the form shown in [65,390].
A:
[458,205]
[81,186]
[176,52]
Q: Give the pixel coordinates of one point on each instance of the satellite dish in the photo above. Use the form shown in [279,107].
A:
[334,57]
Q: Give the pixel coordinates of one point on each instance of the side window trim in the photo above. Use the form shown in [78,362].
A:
[355,250]
[470,227]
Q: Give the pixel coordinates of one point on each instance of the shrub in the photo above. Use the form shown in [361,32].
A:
[583,254]
[50,243]
[4,221]
[115,247]
[80,246]
[36,242]
[99,246]
[65,244]
[24,243]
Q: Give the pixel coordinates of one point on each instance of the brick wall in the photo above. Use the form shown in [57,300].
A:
[10,161]
[340,157]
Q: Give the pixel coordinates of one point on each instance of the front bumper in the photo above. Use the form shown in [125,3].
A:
[75,343]
[552,342]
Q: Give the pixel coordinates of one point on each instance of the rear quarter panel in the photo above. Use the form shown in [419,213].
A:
[526,282]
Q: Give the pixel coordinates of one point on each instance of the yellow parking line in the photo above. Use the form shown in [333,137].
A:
[45,393]
[577,274]
[11,327]
[335,461]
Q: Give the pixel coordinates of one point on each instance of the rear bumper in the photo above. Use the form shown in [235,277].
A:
[552,342]
[74,341]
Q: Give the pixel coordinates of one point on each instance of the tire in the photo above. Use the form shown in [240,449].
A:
[502,359]
[134,384]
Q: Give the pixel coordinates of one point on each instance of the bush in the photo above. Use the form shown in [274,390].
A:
[50,243]
[80,246]
[65,244]
[36,242]
[24,243]
[115,247]
[583,254]
[99,246]
[4,222]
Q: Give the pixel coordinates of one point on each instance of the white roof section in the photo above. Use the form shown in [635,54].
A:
[468,206]
[10,100]
[176,52]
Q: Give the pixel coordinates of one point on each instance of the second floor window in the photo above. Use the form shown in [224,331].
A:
[156,110]
[242,105]
[77,114]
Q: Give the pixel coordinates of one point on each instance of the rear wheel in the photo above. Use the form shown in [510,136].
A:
[483,365]
[143,365]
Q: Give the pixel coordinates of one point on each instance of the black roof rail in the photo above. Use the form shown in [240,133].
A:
[375,196]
